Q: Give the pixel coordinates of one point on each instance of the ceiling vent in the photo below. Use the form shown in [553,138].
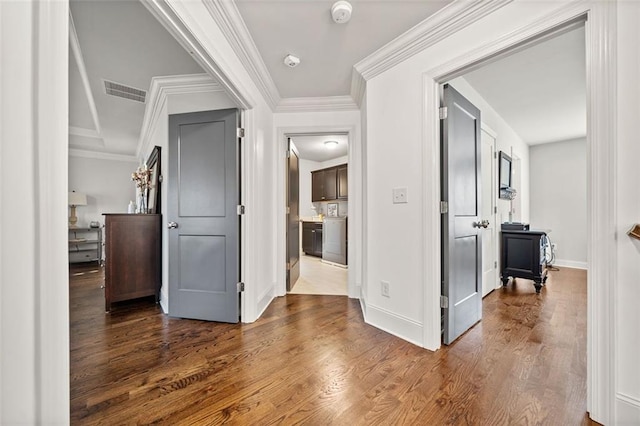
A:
[126,92]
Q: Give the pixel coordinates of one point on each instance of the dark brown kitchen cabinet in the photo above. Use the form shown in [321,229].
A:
[133,253]
[325,183]
[343,182]
[312,238]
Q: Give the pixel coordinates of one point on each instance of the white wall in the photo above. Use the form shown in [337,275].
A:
[508,141]
[627,297]
[559,197]
[107,184]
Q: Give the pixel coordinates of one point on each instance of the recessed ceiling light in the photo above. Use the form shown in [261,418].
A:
[330,144]
[341,12]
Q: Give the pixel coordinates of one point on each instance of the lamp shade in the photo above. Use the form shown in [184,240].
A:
[77,199]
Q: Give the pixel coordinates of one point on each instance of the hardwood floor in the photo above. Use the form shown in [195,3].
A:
[312,360]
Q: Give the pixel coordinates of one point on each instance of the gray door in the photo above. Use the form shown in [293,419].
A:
[204,235]
[461,238]
[293,217]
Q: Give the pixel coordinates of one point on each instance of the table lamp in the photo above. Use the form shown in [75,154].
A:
[75,199]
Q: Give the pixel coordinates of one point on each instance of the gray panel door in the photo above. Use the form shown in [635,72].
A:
[293,218]
[204,234]
[461,236]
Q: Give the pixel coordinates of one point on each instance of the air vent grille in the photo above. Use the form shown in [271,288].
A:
[126,92]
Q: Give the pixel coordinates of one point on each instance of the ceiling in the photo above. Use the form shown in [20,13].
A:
[311,147]
[122,42]
[541,91]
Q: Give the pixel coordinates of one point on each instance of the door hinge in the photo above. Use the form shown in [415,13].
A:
[444,112]
[495,209]
[288,210]
[241,209]
[289,154]
[240,287]
[444,207]
[495,154]
[240,132]
[444,302]
[288,266]
[495,264]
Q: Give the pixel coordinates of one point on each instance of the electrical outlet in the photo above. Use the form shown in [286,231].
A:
[400,195]
[384,288]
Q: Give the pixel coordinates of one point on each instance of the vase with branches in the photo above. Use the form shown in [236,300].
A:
[142,178]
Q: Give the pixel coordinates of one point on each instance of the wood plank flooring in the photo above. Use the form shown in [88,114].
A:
[312,360]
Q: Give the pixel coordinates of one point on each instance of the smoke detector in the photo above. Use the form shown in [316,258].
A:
[291,61]
[341,11]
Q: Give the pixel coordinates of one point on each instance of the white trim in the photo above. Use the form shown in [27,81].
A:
[570,264]
[445,22]
[160,88]
[86,133]
[601,146]
[77,54]
[627,409]
[81,153]
[397,325]
[166,15]
[318,104]
[358,87]
[227,16]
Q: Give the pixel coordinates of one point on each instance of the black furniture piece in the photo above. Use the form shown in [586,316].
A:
[522,256]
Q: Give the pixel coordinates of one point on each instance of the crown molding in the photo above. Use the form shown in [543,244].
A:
[86,133]
[319,104]
[82,153]
[77,54]
[182,32]
[230,22]
[160,89]
[446,21]
[358,87]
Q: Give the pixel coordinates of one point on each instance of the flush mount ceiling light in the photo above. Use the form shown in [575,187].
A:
[330,144]
[291,61]
[341,12]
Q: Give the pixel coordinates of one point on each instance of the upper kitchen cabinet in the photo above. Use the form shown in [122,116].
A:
[326,184]
[343,183]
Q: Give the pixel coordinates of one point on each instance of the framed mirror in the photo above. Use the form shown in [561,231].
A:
[504,182]
[153,164]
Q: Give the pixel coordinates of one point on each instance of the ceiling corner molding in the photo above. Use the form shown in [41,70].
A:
[160,89]
[81,153]
[87,133]
[447,21]
[170,20]
[358,87]
[77,54]
[318,104]
[228,18]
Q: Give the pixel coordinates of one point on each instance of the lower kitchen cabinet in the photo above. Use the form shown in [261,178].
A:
[312,238]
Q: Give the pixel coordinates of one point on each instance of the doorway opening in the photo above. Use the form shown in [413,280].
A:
[317,213]
[533,102]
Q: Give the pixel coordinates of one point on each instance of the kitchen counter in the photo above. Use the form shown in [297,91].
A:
[312,219]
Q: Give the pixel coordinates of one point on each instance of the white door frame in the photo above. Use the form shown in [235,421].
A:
[601,216]
[494,194]
[355,203]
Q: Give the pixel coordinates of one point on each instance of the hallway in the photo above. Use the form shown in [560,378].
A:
[313,360]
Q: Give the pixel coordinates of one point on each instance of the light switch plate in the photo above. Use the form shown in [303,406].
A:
[400,195]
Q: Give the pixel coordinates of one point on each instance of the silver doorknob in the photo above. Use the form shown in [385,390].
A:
[481,224]
[172,225]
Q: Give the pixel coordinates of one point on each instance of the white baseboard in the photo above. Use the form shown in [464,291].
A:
[627,410]
[163,304]
[264,300]
[402,327]
[570,264]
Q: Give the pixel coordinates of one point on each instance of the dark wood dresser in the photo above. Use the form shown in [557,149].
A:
[133,257]
[522,256]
